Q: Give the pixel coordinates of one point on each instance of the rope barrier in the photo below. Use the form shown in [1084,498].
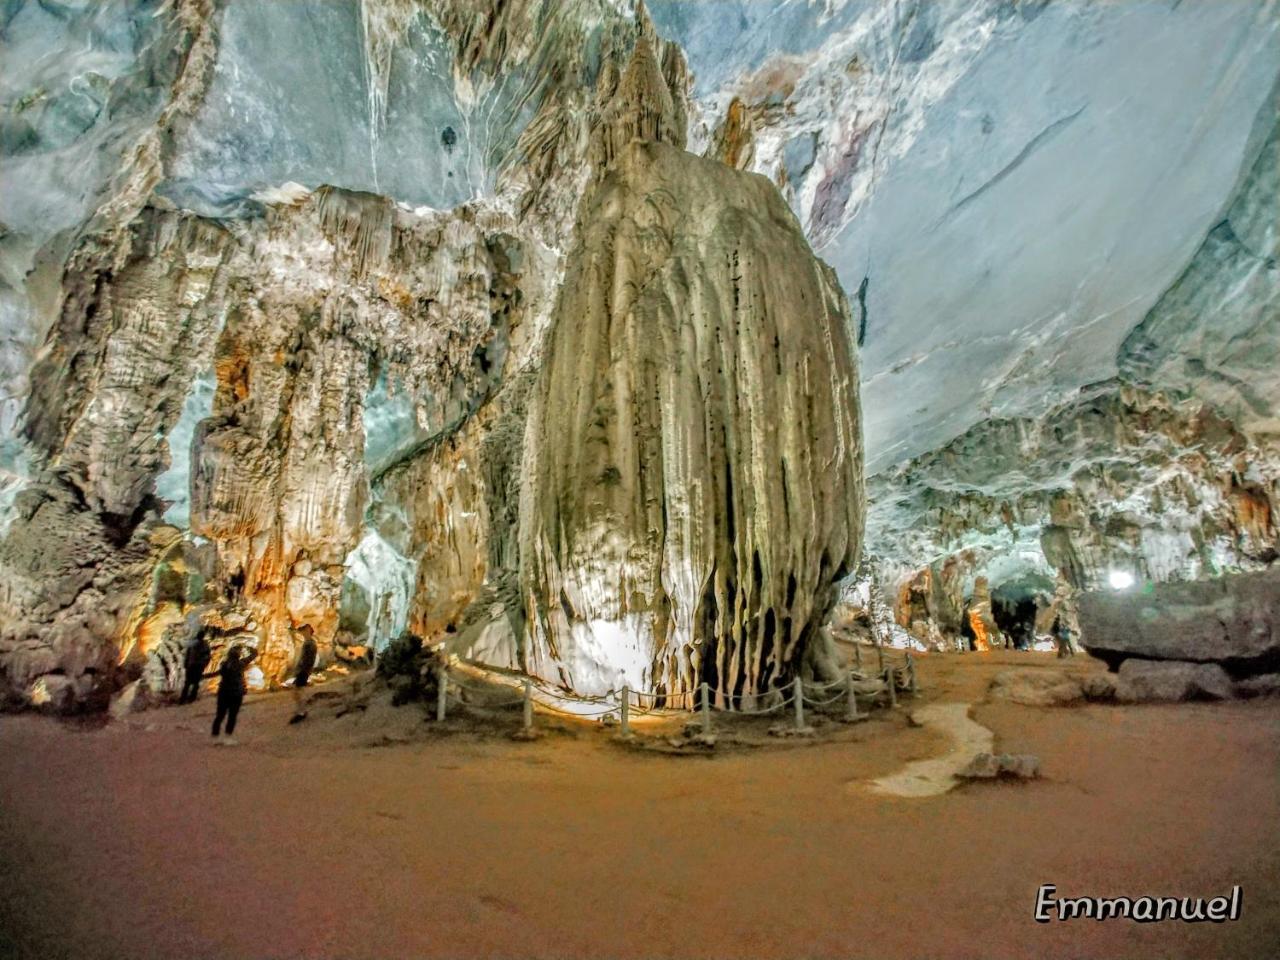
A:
[484,706]
[780,705]
[825,703]
[628,702]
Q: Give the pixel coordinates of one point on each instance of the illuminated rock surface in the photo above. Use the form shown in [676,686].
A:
[695,489]
[278,291]
[1233,620]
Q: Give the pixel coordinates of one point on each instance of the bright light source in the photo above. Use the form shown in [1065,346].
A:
[1120,579]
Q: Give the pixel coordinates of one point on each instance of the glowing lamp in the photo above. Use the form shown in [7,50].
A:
[1120,579]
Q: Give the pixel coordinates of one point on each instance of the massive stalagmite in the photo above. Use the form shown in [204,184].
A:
[694,473]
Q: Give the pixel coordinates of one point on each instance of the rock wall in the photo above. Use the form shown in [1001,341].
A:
[934,149]
[1170,472]
[299,377]
[1119,480]
[296,315]
[1213,333]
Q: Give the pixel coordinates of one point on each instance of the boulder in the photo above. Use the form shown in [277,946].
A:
[1141,681]
[1037,688]
[987,766]
[1233,619]
[1099,687]
[133,698]
[1263,685]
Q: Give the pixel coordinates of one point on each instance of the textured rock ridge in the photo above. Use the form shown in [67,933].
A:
[1118,479]
[1234,278]
[693,475]
[1233,620]
[323,388]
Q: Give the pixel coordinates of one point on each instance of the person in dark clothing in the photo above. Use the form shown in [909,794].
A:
[231,687]
[1062,636]
[194,661]
[302,672]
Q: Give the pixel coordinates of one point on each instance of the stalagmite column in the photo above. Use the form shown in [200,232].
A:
[986,634]
[693,479]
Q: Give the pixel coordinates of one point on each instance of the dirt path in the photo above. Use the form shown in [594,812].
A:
[936,775]
[365,837]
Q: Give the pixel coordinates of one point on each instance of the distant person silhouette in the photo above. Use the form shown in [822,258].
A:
[302,672]
[195,660]
[1062,636]
[231,688]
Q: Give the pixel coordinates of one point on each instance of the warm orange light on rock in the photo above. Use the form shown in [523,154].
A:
[981,638]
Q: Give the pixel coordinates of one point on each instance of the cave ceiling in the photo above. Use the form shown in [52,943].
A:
[1018,183]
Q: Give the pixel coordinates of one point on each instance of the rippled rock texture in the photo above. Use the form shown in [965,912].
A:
[281,285]
[1118,481]
[695,490]
[1233,620]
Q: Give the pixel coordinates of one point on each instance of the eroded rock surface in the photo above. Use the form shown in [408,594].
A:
[1142,681]
[695,489]
[1233,620]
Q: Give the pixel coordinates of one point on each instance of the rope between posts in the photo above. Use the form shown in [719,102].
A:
[570,713]
[685,700]
[655,695]
[483,706]
[826,703]
[784,702]
[824,686]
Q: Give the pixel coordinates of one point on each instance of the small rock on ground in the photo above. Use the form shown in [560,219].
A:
[1037,688]
[988,766]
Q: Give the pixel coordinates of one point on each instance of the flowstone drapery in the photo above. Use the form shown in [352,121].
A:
[693,478]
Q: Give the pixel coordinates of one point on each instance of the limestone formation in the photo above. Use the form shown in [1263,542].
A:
[1118,479]
[986,634]
[693,463]
[1141,681]
[414,315]
[297,322]
[1233,620]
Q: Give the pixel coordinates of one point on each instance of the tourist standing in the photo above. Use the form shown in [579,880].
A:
[195,659]
[302,672]
[231,689]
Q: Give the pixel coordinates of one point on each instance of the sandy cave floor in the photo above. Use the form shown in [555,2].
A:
[378,835]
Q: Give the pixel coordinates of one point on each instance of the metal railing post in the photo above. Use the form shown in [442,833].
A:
[851,704]
[442,687]
[706,708]
[625,711]
[799,698]
[528,704]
